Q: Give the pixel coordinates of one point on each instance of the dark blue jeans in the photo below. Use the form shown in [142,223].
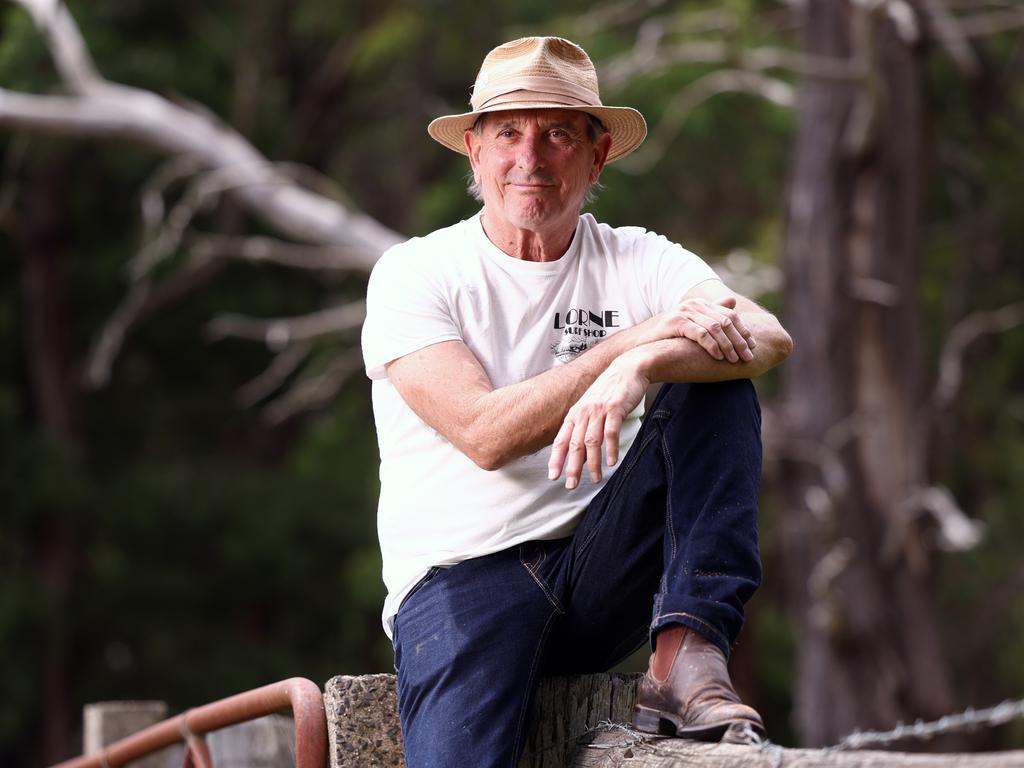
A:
[675,527]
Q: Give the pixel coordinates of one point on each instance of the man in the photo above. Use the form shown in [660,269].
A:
[516,347]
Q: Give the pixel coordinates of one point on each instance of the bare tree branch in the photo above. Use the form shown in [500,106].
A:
[981,24]
[278,333]
[273,378]
[70,54]
[952,37]
[614,14]
[107,110]
[649,58]
[957,531]
[314,391]
[128,113]
[270,250]
[965,333]
[718,82]
[216,161]
[142,300]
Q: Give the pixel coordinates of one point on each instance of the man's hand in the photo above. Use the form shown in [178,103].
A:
[713,324]
[596,419]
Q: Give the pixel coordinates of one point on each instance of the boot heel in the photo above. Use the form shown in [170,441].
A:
[646,720]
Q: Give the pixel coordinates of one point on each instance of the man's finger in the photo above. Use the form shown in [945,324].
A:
[612,427]
[729,302]
[709,333]
[559,449]
[593,440]
[734,329]
[577,454]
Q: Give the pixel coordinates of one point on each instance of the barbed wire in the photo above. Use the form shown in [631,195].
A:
[969,720]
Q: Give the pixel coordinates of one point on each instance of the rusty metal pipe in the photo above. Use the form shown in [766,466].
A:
[302,695]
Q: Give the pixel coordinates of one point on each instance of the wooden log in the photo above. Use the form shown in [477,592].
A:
[619,749]
[575,726]
[363,727]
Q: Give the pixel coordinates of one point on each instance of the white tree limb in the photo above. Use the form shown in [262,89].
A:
[951,36]
[721,81]
[965,333]
[314,391]
[129,113]
[278,333]
[650,58]
[270,250]
[142,299]
[70,54]
[274,377]
[217,159]
[993,23]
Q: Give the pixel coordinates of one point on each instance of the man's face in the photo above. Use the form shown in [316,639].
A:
[534,165]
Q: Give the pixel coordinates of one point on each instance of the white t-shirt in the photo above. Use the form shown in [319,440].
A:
[519,319]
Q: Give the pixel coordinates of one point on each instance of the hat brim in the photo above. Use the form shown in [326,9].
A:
[626,126]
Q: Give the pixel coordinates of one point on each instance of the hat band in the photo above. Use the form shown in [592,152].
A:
[546,87]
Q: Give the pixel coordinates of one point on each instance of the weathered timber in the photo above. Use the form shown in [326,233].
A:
[566,709]
[618,750]
[105,722]
[363,727]
[267,742]
[568,713]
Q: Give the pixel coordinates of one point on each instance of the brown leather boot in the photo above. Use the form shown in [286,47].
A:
[687,691]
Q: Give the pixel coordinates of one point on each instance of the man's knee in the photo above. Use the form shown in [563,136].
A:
[720,402]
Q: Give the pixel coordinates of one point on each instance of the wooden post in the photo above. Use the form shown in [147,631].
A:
[267,742]
[621,750]
[108,721]
[363,730]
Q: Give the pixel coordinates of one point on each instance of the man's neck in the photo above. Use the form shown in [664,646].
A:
[530,245]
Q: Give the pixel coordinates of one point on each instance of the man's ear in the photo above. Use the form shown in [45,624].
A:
[602,147]
[472,148]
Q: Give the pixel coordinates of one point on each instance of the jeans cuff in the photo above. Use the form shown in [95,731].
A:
[704,628]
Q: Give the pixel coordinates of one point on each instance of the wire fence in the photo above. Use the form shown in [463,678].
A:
[968,721]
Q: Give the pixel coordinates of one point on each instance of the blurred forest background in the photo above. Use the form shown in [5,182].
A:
[187,491]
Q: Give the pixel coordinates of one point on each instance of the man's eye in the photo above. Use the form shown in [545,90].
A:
[508,133]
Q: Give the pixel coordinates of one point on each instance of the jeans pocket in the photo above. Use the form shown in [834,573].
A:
[531,555]
[427,577]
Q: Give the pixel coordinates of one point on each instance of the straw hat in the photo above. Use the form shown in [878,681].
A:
[541,73]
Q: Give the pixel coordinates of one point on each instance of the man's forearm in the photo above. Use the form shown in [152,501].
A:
[682,360]
[596,418]
[448,388]
[522,418]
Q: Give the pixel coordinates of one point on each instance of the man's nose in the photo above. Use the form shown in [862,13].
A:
[530,153]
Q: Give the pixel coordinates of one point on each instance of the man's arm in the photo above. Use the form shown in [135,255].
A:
[596,418]
[446,386]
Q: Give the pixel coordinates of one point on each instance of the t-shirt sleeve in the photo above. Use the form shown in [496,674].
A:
[666,271]
[406,309]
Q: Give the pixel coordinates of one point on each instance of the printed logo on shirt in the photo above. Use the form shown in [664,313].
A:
[578,327]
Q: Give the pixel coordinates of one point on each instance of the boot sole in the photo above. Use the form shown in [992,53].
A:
[649,720]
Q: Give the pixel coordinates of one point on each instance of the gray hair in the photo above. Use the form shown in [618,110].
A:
[595,129]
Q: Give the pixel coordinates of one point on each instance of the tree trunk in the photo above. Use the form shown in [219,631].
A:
[869,647]
[53,395]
